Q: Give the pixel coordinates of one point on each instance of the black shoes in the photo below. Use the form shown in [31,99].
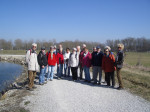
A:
[120,88]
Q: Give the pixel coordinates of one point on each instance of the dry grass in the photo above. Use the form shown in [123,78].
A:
[138,58]
[137,83]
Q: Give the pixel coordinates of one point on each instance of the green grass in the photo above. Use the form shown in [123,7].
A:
[138,58]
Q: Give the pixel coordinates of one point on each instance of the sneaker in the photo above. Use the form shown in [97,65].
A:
[51,79]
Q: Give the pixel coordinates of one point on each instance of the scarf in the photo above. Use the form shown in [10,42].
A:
[51,54]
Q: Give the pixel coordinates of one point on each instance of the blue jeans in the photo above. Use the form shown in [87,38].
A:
[42,75]
[87,73]
[60,70]
[66,68]
[50,72]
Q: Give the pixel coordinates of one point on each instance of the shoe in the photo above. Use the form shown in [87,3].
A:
[30,89]
[85,80]
[94,83]
[120,88]
[58,78]
[34,87]
[51,79]
[89,81]
[45,82]
[41,84]
[99,83]
[113,86]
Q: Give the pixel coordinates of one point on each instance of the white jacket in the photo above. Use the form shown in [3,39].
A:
[66,56]
[31,59]
[73,60]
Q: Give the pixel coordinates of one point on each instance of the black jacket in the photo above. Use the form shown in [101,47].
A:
[120,59]
[97,58]
[42,59]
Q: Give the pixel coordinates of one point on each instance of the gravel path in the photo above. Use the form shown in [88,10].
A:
[68,96]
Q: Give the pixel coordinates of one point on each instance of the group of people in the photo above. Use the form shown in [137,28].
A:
[76,60]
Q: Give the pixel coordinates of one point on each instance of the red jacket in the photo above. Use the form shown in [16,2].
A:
[60,58]
[108,63]
[86,61]
[81,56]
[50,60]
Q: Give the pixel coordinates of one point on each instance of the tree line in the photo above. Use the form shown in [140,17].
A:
[131,44]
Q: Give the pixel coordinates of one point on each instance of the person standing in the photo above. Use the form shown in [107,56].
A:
[78,69]
[93,53]
[60,62]
[66,60]
[42,60]
[73,63]
[119,64]
[51,63]
[108,65]
[80,60]
[86,64]
[33,67]
[55,52]
[97,64]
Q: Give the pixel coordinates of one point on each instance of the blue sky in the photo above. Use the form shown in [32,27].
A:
[85,20]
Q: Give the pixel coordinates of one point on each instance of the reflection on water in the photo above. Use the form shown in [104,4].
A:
[8,73]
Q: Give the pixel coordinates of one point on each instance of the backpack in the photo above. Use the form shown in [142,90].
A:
[75,55]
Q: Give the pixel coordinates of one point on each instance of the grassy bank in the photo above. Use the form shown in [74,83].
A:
[137,83]
[136,73]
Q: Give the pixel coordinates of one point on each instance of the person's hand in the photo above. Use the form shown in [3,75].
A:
[43,66]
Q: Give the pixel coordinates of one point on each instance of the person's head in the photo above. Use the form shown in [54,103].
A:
[51,48]
[78,48]
[86,50]
[43,49]
[120,47]
[74,50]
[60,46]
[94,49]
[83,46]
[60,50]
[106,51]
[54,47]
[67,50]
[98,49]
[34,46]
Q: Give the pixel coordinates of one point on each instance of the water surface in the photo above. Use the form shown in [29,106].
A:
[8,73]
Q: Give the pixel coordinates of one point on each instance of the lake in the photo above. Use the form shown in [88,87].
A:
[8,73]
